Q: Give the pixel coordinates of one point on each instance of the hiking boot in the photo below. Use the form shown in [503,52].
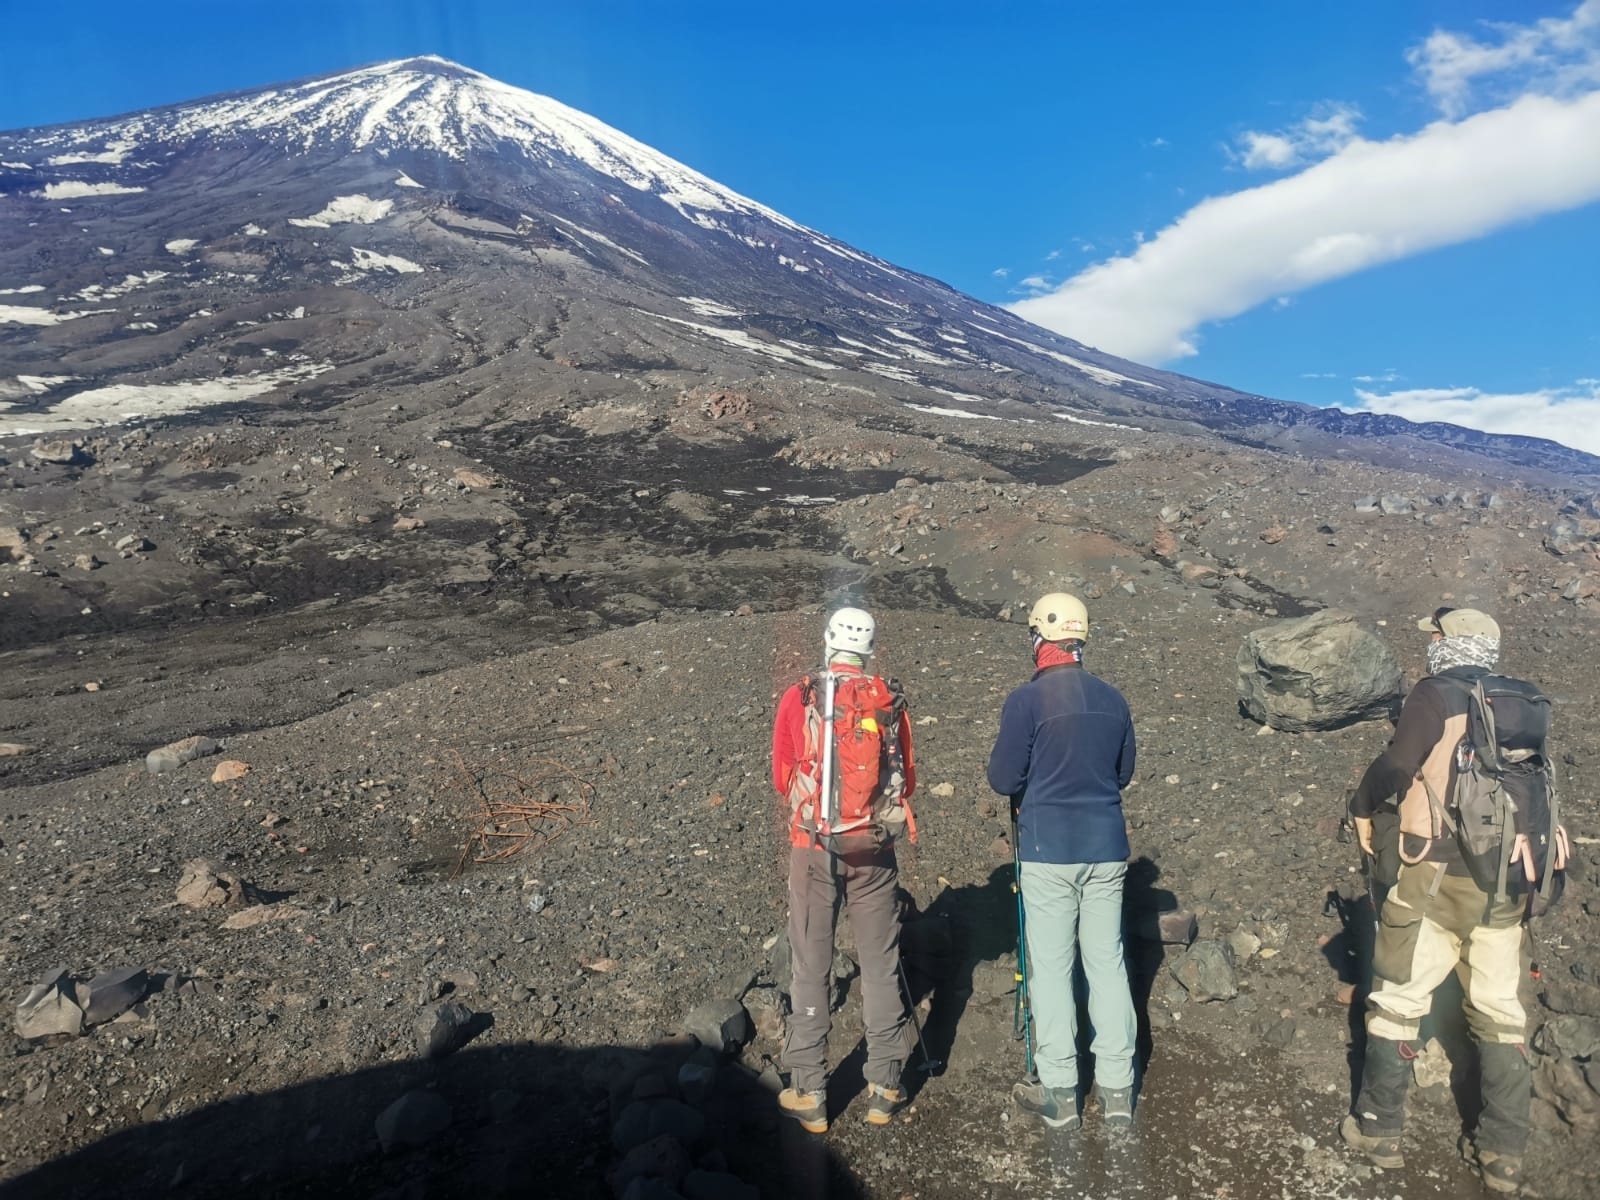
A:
[1116,1107]
[883,1103]
[1056,1107]
[809,1108]
[1499,1172]
[1381,1151]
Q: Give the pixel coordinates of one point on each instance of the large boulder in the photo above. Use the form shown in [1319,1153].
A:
[1318,672]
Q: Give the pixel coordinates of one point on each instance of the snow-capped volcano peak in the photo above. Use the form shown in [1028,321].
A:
[424,104]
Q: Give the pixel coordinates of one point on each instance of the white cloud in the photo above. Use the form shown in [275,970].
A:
[1370,203]
[1569,415]
[1329,130]
[1034,283]
[1000,272]
[1319,375]
[1052,256]
[1557,56]
[1389,376]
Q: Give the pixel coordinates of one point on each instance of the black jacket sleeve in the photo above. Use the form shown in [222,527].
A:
[1418,730]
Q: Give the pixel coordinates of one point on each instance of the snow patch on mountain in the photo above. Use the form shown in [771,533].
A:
[111,291]
[124,402]
[371,260]
[25,290]
[22,314]
[75,189]
[346,210]
[406,181]
[181,246]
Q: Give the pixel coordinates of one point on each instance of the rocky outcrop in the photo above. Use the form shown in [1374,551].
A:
[1318,672]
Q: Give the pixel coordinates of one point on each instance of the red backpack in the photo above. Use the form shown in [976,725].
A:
[869,804]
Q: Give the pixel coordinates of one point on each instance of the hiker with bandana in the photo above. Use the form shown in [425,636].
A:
[1064,753]
[1435,921]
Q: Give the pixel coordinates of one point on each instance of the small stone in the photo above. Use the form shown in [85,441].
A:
[1244,944]
[14,750]
[201,887]
[1174,927]
[415,1119]
[720,1025]
[50,1008]
[175,754]
[259,914]
[943,789]
[407,524]
[717,1185]
[1431,1067]
[661,1158]
[135,544]
[1206,971]
[230,769]
[113,993]
[476,480]
[443,1029]
[646,1119]
[62,453]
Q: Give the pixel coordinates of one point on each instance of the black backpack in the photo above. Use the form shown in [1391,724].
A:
[1503,810]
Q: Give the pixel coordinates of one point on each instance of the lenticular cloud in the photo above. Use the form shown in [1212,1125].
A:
[1371,203]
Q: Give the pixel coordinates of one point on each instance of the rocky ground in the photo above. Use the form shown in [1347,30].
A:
[588,610]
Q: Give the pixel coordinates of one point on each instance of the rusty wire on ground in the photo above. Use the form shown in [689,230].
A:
[517,810]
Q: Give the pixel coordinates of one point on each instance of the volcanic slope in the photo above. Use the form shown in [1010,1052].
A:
[362,422]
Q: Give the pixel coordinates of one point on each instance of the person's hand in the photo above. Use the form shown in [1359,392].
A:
[1364,834]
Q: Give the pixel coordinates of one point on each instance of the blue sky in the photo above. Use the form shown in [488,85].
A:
[1389,205]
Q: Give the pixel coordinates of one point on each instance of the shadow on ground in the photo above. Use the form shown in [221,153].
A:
[522,1120]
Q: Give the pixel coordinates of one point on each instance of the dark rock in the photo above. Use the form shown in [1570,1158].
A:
[1174,927]
[113,993]
[1569,1037]
[646,1119]
[444,1029]
[413,1120]
[646,1187]
[721,1025]
[662,1158]
[717,1185]
[1206,971]
[698,1075]
[1318,672]
[1564,537]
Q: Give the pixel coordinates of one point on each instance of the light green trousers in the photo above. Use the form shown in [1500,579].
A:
[1073,913]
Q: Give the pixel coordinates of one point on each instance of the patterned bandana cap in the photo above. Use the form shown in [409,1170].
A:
[1463,652]
[1055,654]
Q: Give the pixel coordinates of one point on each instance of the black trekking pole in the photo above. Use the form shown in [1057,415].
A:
[930,1065]
[1022,1014]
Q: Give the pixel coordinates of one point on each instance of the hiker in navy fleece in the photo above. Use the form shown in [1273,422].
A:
[1064,753]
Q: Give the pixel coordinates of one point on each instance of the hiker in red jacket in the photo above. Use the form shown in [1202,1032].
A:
[847,798]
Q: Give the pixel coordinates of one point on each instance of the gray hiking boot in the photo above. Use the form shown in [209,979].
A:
[809,1108]
[1116,1107]
[883,1103]
[1382,1150]
[1499,1172]
[1056,1107]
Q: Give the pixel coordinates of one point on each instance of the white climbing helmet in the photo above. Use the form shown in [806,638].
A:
[1059,617]
[851,631]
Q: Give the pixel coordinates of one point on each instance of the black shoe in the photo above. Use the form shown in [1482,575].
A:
[1056,1107]
[1499,1172]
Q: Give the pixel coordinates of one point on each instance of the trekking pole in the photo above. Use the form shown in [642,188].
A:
[1022,1013]
[825,798]
[930,1065]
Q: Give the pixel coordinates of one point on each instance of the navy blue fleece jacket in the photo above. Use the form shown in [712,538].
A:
[1066,748]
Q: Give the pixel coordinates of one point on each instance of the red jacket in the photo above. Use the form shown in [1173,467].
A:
[789,747]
